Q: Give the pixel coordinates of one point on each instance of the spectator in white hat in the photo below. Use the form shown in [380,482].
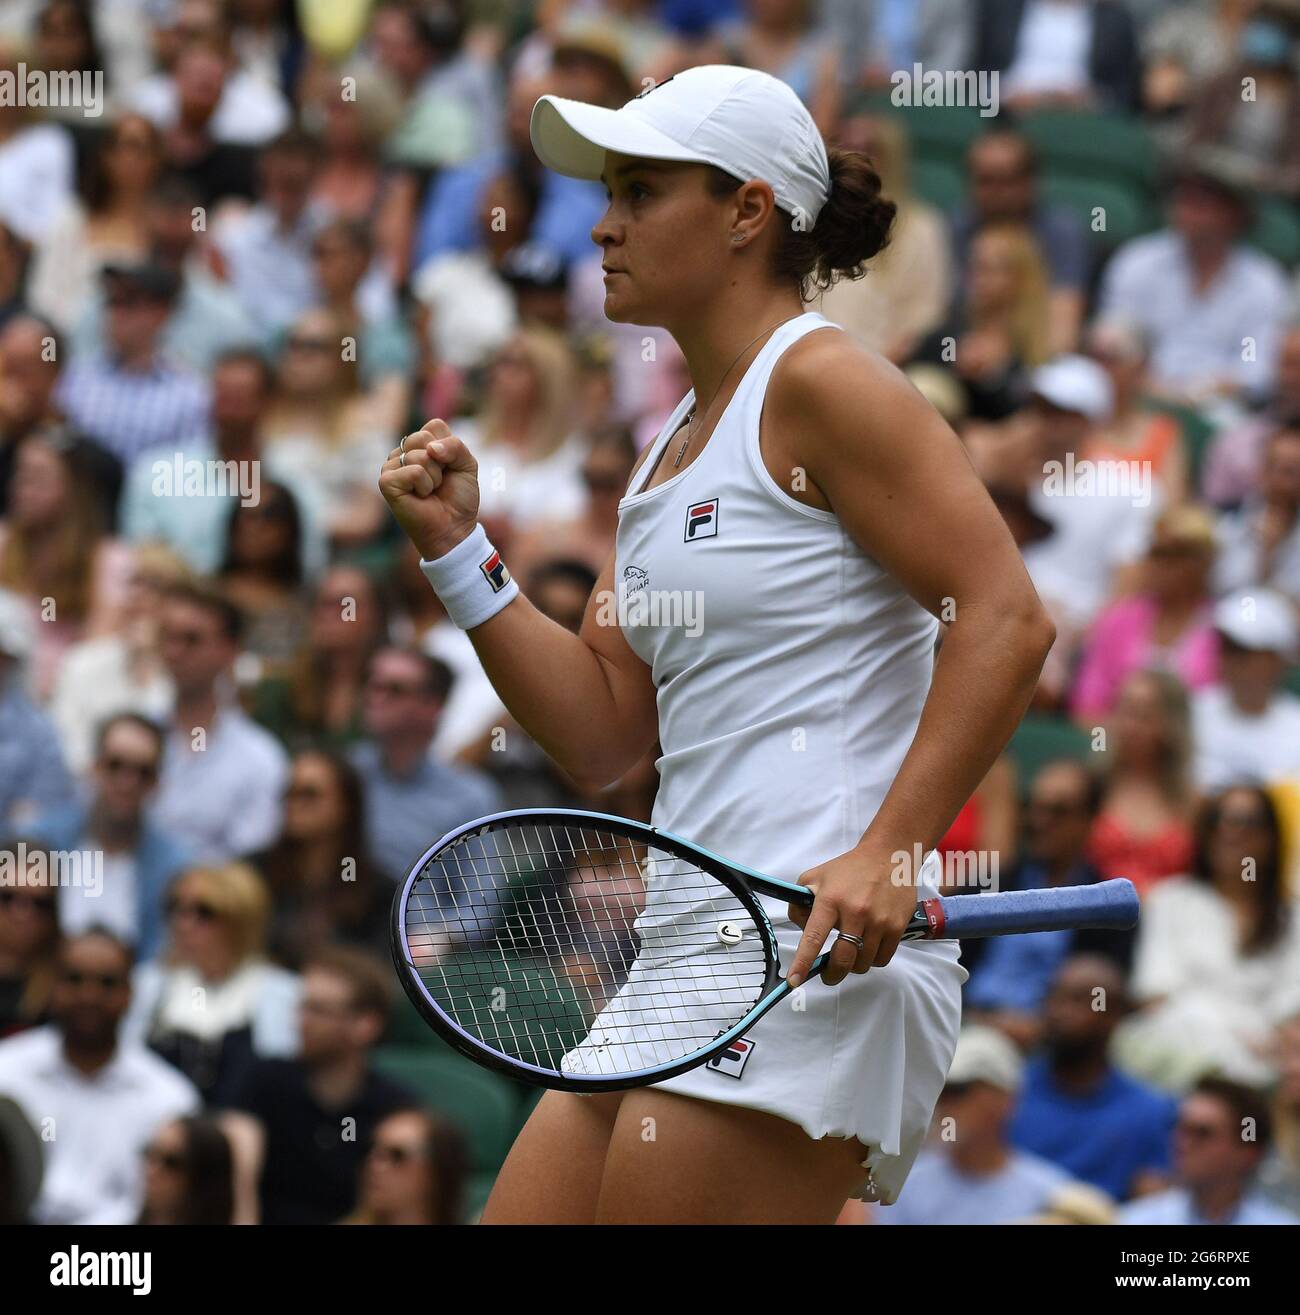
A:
[1246,728]
[970,1174]
[1100,511]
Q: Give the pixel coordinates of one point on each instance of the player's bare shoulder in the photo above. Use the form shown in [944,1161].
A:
[831,400]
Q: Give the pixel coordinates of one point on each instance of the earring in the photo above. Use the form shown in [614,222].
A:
[738,237]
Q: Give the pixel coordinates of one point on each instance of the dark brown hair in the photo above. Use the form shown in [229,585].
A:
[366,977]
[852,227]
[1269,910]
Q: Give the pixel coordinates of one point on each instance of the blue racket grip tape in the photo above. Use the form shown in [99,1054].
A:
[1059,908]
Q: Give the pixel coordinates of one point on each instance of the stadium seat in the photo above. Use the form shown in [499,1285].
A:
[1276,230]
[1094,145]
[1197,433]
[485,1107]
[1127,211]
[940,183]
[937,133]
[1039,739]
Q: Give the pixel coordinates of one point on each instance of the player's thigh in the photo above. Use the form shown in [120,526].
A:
[552,1174]
[673,1159]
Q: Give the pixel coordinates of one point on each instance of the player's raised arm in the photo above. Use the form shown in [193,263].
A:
[587,699]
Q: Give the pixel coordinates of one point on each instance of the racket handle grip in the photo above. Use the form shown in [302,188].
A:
[1110,904]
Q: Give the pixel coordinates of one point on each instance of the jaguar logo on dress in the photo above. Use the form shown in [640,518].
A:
[702,520]
[634,580]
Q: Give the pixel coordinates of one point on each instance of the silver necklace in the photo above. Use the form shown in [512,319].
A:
[690,415]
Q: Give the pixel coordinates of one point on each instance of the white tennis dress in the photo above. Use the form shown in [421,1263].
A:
[790,672]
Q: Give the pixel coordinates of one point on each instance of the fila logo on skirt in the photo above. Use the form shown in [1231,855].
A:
[702,520]
[494,569]
[732,1061]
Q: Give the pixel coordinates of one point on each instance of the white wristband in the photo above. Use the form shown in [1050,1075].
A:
[471,580]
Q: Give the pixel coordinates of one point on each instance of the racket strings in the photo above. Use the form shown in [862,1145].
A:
[579,950]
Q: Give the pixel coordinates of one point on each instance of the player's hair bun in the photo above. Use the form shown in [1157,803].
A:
[854,223]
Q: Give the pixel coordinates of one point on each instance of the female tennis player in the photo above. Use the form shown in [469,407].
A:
[813,519]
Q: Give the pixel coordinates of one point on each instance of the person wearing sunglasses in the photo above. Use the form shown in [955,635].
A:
[212,1002]
[414,1172]
[1011,975]
[1223,1132]
[1218,952]
[136,857]
[188,1174]
[105,1094]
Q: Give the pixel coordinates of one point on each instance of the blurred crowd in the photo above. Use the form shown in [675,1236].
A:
[294,233]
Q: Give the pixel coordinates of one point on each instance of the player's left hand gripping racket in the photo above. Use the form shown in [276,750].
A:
[592,953]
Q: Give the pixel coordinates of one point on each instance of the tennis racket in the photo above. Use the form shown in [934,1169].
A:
[587,952]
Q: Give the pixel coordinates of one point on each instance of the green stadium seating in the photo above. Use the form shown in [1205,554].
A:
[1197,433]
[1039,739]
[485,1107]
[1127,211]
[1276,230]
[1094,145]
[942,184]
[942,132]
[1291,680]
[939,134]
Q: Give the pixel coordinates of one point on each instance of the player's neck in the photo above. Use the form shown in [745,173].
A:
[713,341]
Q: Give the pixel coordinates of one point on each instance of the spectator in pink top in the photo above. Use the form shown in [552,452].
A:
[1165,627]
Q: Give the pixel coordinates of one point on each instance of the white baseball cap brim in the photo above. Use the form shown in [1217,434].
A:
[572,137]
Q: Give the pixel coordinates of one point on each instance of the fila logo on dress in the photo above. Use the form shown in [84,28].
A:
[495,572]
[732,1061]
[702,520]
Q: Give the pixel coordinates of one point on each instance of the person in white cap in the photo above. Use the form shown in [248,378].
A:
[1246,728]
[972,1174]
[823,516]
[1101,511]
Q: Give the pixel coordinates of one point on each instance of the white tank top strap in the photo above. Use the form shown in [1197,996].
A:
[753,385]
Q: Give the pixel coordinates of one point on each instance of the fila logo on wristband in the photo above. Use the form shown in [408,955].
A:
[495,572]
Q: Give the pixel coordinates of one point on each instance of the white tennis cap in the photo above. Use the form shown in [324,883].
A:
[746,122]
[1075,383]
[1259,619]
[985,1055]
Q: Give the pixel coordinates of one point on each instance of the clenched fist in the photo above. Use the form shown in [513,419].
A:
[434,491]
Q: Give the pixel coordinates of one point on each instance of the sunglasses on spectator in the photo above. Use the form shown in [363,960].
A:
[275,510]
[190,638]
[43,904]
[302,343]
[1246,820]
[1056,807]
[105,981]
[192,908]
[114,764]
[1196,1131]
[171,1160]
[394,1153]
[304,794]
[394,689]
